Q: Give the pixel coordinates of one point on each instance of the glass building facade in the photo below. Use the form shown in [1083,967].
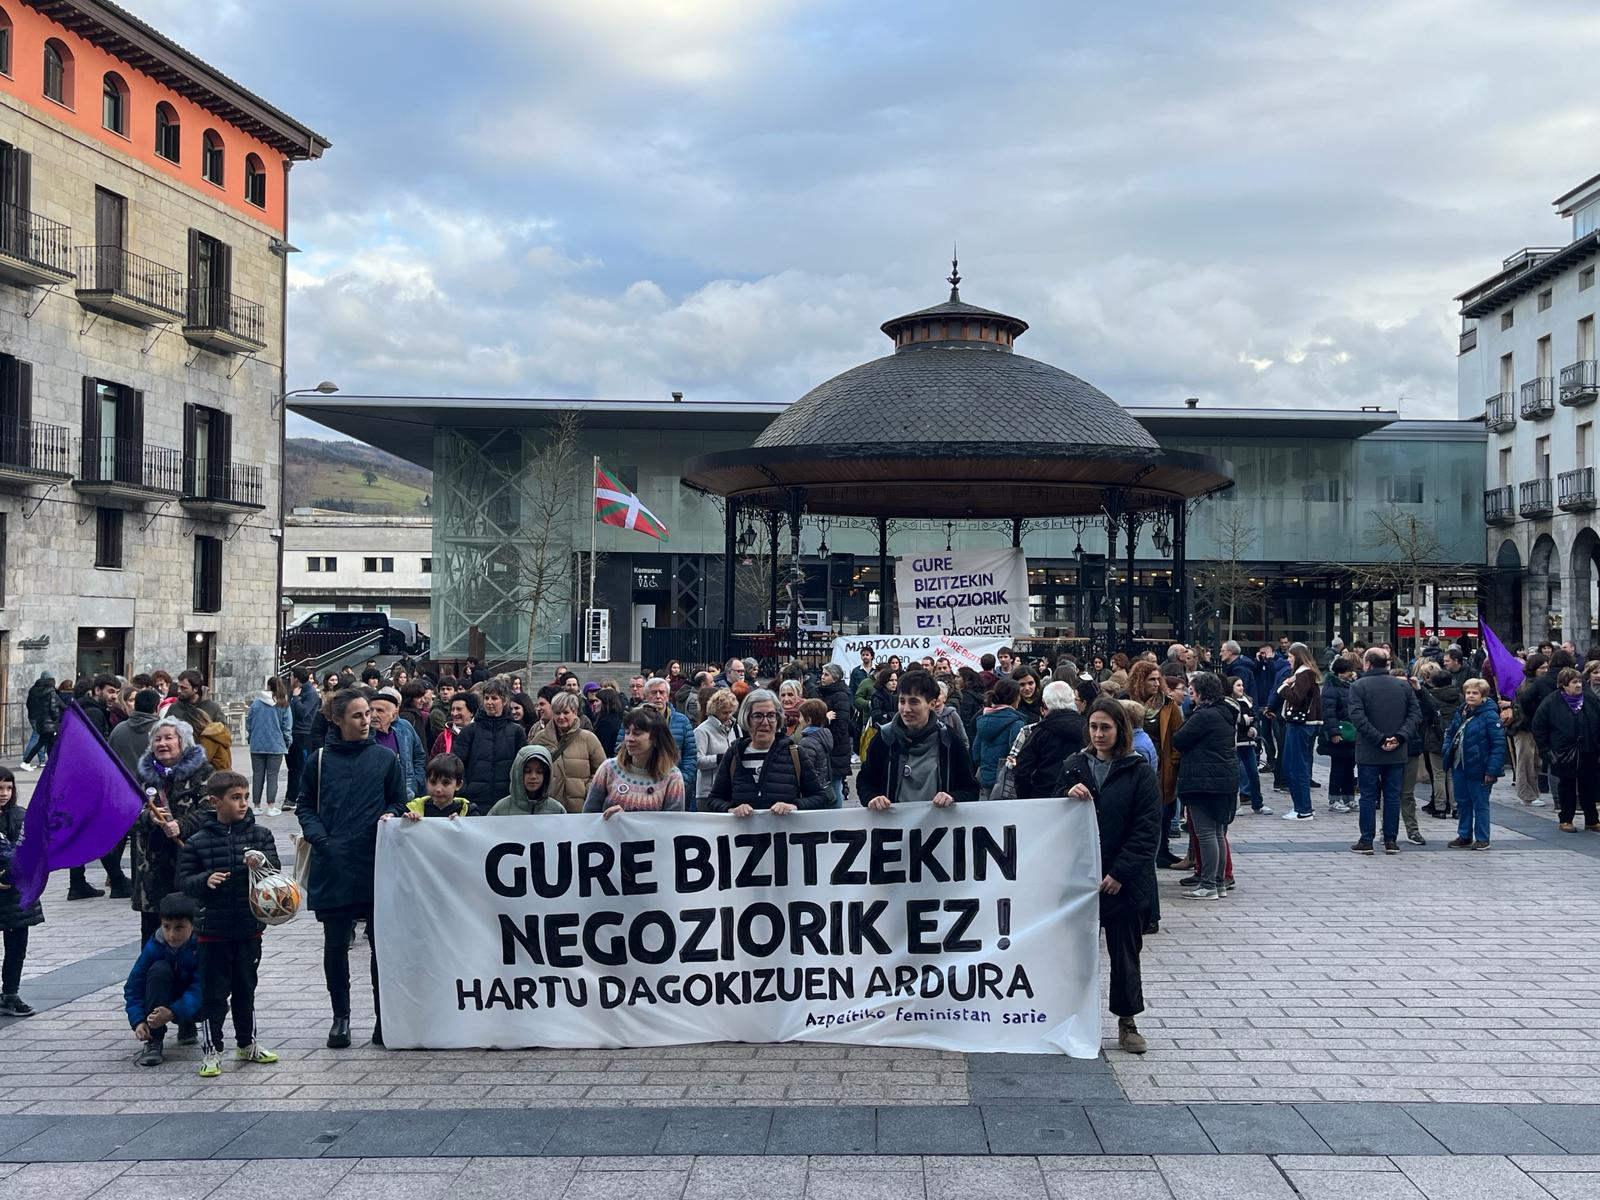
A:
[1301,514]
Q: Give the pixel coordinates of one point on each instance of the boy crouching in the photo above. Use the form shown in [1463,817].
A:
[164,985]
[214,869]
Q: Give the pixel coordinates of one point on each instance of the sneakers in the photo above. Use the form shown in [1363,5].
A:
[1480,845]
[1291,815]
[211,1065]
[1202,893]
[1129,1038]
[1189,881]
[26,767]
[1391,847]
[255,1052]
[1462,843]
[13,1005]
[1416,839]
[1266,810]
[1361,847]
[1340,804]
[1534,803]
[151,1055]
[273,810]
[1227,886]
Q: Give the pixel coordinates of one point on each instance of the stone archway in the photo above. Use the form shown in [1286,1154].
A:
[1505,593]
[1543,591]
[1580,589]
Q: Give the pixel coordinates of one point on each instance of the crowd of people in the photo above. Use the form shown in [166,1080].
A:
[1169,749]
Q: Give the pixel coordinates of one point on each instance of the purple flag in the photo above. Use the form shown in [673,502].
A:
[84,802]
[1503,667]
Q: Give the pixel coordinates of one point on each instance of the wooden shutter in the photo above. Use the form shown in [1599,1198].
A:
[90,468]
[21,179]
[194,307]
[191,485]
[222,271]
[19,417]
[221,455]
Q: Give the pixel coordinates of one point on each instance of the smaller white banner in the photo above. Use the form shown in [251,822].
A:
[964,593]
[962,652]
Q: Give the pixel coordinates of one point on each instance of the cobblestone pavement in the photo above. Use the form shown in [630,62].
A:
[1438,975]
[1131,1177]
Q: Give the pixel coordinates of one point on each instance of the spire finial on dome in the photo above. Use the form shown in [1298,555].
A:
[954,278]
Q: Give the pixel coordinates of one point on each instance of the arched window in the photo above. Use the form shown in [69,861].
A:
[255,180]
[167,144]
[58,72]
[114,104]
[211,157]
[5,42]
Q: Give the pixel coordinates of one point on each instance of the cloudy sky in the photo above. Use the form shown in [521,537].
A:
[1255,203]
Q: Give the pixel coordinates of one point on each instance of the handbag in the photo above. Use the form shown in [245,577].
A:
[1563,763]
[302,846]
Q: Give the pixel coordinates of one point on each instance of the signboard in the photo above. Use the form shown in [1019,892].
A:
[964,593]
[1458,610]
[649,579]
[962,652]
[972,928]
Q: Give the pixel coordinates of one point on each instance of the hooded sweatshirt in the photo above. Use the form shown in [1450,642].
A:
[519,803]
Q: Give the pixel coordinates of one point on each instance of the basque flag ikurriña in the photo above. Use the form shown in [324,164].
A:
[84,802]
[615,505]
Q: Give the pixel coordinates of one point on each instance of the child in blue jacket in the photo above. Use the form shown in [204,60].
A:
[164,985]
[1475,754]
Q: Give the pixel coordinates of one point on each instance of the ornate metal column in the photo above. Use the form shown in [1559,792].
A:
[883,575]
[730,552]
[1113,511]
[1180,566]
[797,500]
[1133,520]
[774,521]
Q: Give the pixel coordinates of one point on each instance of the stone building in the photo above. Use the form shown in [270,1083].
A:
[1528,369]
[143,235]
[336,560]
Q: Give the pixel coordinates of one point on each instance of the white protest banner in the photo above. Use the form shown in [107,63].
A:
[964,593]
[912,648]
[971,928]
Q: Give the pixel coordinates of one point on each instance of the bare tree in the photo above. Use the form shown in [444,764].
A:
[549,484]
[1409,547]
[1226,583]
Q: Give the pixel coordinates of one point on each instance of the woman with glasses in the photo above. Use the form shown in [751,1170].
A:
[764,768]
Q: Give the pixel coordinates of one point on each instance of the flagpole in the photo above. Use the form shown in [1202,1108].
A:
[594,501]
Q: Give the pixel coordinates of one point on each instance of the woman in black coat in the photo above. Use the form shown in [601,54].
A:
[1055,739]
[348,786]
[784,782]
[177,770]
[1208,781]
[1127,801]
[1558,732]
[15,919]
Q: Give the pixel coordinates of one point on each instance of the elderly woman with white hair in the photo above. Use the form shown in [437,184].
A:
[791,695]
[764,768]
[176,770]
[1056,738]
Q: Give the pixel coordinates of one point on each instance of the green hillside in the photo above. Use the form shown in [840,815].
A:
[353,477]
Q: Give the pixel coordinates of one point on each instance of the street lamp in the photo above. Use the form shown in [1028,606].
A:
[325,388]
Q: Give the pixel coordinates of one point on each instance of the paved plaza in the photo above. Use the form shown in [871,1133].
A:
[1421,1025]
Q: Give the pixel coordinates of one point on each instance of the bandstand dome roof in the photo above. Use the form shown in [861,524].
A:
[956,424]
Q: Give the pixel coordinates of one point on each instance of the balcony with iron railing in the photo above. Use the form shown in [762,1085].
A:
[1499,505]
[116,283]
[128,469]
[34,251]
[1536,498]
[1575,490]
[33,452]
[1500,413]
[223,323]
[1538,398]
[1580,382]
[218,487]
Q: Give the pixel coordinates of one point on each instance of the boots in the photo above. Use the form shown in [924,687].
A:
[1129,1037]
[79,887]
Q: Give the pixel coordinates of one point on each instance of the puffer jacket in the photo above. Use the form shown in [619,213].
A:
[779,781]
[1054,740]
[519,802]
[344,789]
[816,748]
[1446,695]
[131,738]
[885,706]
[224,910]
[1482,742]
[185,960]
[997,729]
[303,710]
[575,757]
[1128,809]
[45,705]
[1335,709]
[154,856]
[487,747]
[268,727]
[12,914]
[837,697]
[1209,766]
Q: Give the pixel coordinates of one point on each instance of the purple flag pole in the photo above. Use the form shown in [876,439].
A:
[83,804]
[1505,669]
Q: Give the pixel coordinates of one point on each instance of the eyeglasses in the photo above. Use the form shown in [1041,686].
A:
[764,716]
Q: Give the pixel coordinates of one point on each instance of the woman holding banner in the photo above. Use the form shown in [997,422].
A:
[1127,801]
[644,775]
[764,768]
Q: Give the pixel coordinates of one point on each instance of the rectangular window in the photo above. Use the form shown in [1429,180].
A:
[369,565]
[1508,318]
[207,452]
[1586,220]
[1505,465]
[1541,457]
[388,566]
[207,574]
[427,566]
[1507,380]
[314,564]
[1585,434]
[5,50]
[1406,489]
[330,564]
[108,538]
[1544,358]
[1585,279]
[113,433]
[1545,298]
[1586,338]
